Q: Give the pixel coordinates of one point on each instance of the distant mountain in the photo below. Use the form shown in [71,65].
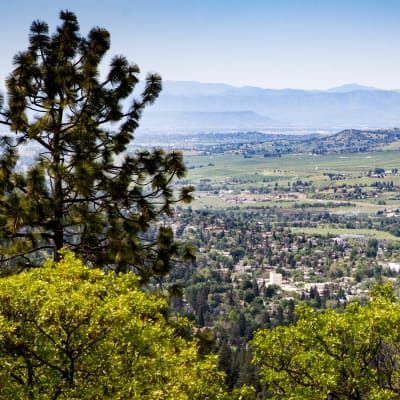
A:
[352,87]
[173,121]
[195,106]
[192,88]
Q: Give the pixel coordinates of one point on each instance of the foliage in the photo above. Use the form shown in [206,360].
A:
[70,332]
[83,191]
[331,355]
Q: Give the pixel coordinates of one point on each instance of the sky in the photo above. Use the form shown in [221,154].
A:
[305,44]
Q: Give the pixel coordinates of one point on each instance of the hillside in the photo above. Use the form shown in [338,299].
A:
[354,141]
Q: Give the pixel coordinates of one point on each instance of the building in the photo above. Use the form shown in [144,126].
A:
[275,278]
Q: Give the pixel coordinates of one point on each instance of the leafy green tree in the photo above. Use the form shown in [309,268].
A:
[70,332]
[83,191]
[328,355]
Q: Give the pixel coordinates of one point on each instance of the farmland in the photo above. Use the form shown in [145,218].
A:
[223,177]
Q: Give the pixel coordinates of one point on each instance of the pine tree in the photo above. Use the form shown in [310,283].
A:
[83,191]
[246,371]
[225,363]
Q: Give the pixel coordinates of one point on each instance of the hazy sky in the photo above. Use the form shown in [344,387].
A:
[270,43]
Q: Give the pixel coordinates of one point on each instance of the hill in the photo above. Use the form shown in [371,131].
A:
[354,141]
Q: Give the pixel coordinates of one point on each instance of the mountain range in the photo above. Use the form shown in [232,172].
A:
[185,106]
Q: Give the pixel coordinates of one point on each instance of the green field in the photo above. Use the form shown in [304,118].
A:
[329,231]
[289,166]
[235,172]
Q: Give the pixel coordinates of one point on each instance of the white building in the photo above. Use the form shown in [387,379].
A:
[275,278]
[393,266]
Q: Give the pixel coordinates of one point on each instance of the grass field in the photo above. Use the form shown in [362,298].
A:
[233,171]
[216,202]
[222,167]
[329,231]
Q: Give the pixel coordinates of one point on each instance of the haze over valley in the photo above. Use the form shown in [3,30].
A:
[195,106]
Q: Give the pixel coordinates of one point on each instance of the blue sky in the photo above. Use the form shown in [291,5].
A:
[306,44]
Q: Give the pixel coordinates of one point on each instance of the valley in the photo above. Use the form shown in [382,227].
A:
[271,232]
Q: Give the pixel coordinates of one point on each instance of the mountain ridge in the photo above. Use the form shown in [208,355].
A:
[346,106]
[190,86]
